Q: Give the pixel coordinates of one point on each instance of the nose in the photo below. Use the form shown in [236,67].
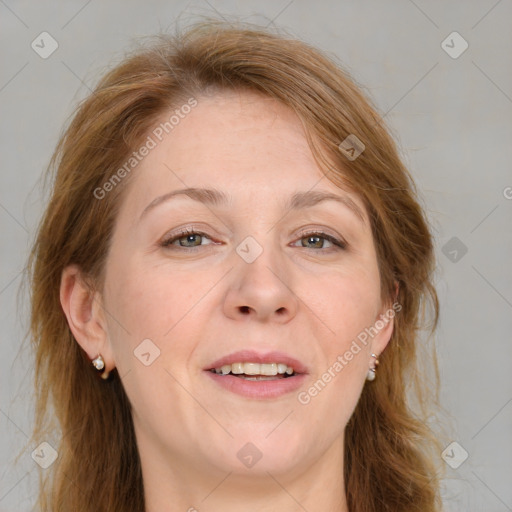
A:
[261,290]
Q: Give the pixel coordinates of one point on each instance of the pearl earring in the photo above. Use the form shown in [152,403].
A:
[371,371]
[99,364]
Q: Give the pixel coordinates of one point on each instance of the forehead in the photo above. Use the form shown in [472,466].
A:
[243,143]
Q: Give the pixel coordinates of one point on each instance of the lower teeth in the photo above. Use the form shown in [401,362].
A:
[257,377]
[260,377]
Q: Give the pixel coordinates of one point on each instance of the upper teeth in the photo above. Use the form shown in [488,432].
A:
[255,369]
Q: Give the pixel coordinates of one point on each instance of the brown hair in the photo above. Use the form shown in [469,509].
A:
[389,449]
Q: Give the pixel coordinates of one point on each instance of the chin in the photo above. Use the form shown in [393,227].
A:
[261,463]
[262,453]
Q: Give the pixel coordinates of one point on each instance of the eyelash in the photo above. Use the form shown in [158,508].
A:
[338,244]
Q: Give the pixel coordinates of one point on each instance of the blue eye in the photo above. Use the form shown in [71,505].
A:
[319,238]
[190,239]
[184,238]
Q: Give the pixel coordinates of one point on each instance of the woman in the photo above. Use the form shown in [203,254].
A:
[233,244]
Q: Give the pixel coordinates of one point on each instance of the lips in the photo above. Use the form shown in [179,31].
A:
[250,356]
[251,385]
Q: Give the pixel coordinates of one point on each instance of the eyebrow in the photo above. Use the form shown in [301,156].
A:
[298,201]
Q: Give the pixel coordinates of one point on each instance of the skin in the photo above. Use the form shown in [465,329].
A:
[201,301]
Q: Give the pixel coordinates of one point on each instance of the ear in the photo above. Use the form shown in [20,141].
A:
[85,315]
[385,323]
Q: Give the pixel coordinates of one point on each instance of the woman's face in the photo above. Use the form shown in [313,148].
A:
[251,266]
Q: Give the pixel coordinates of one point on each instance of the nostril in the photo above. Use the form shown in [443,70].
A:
[244,309]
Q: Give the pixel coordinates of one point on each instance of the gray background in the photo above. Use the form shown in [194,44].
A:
[450,116]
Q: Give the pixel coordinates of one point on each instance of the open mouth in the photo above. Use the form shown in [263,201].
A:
[256,371]
[277,376]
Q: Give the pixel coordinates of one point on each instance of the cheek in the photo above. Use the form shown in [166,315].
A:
[347,346]
[159,305]
[151,301]
[351,304]
[334,391]
[154,327]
